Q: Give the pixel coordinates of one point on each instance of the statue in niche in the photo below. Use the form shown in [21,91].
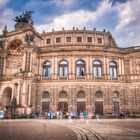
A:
[25,17]
[29,38]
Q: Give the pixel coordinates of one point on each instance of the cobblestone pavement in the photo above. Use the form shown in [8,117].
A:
[34,130]
[41,129]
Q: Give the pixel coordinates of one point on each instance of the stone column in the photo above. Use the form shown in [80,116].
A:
[88,99]
[123,66]
[87,67]
[4,65]
[31,57]
[74,99]
[29,95]
[40,66]
[70,68]
[24,103]
[73,68]
[55,68]
[104,68]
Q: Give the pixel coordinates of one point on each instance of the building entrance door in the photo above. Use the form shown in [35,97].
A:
[99,107]
[63,106]
[81,106]
[116,108]
[45,107]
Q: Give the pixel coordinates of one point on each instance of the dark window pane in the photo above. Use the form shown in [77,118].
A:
[48,41]
[68,39]
[58,40]
[79,39]
[89,39]
[100,40]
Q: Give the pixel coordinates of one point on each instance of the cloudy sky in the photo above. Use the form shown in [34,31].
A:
[120,17]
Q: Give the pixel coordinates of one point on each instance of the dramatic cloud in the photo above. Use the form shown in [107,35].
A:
[121,17]
[64,2]
[129,15]
[78,18]
[5,14]
[128,26]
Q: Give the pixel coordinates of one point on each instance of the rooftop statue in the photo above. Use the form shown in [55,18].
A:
[25,17]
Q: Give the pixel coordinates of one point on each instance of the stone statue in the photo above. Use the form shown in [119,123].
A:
[25,17]
[29,38]
[13,106]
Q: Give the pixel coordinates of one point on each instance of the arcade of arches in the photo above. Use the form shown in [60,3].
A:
[6,97]
[65,104]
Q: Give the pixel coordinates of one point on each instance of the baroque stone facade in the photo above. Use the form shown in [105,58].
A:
[68,70]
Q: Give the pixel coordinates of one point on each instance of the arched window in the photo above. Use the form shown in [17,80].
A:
[45,95]
[47,69]
[98,94]
[97,68]
[113,69]
[80,68]
[63,68]
[63,94]
[81,94]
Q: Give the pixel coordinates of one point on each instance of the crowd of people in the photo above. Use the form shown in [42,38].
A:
[67,115]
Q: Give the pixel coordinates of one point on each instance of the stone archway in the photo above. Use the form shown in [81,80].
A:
[6,97]
[99,103]
[45,101]
[63,102]
[81,101]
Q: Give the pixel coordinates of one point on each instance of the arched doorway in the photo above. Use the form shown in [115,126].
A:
[45,102]
[115,103]
[81,101]
[99,103]
[7,97]
[63,102]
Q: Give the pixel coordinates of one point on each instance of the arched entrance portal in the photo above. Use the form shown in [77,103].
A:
[81,101]
[63,102]
[7,97]
[45,102]
[99,103]
[115,103]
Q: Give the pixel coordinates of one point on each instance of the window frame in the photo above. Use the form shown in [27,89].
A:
[88,39]
[97,67]
[58,40]
[63,66]
[113,69]
[81,66]
[100,40]
[48,39]
[67,38]
[46,68]
[79,37]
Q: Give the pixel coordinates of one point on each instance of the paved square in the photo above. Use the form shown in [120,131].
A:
[42,129]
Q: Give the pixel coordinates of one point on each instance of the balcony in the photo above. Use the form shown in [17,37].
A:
[63,77]
[81,77]
[97,77]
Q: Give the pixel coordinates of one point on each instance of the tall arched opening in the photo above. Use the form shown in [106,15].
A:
[81,101]
[63,102]
[45,102]
[6,97]
[99,103]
